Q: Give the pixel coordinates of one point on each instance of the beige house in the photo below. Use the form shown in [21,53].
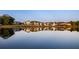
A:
[27,22]
[68,23]
[33,23]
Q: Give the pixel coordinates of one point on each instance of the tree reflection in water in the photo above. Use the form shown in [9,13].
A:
[5,33]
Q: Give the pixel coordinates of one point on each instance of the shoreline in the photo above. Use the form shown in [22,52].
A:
[20,26]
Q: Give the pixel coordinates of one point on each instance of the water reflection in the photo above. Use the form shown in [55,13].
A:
[36,29]
[6,33]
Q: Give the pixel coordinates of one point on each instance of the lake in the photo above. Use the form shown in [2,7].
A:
[39,38]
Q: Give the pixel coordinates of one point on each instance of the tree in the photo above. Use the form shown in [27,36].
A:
[77,23]
[7,20]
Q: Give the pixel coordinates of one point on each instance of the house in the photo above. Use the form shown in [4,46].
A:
[35,23]
[27,22]
[68,23]
[32,23]
[41,24]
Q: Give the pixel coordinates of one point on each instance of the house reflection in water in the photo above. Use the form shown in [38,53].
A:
[36,29]
[6,32]
[32,29]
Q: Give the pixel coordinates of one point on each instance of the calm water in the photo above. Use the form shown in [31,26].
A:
[39,38]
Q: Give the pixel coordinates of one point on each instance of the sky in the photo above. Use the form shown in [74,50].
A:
[43,15]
